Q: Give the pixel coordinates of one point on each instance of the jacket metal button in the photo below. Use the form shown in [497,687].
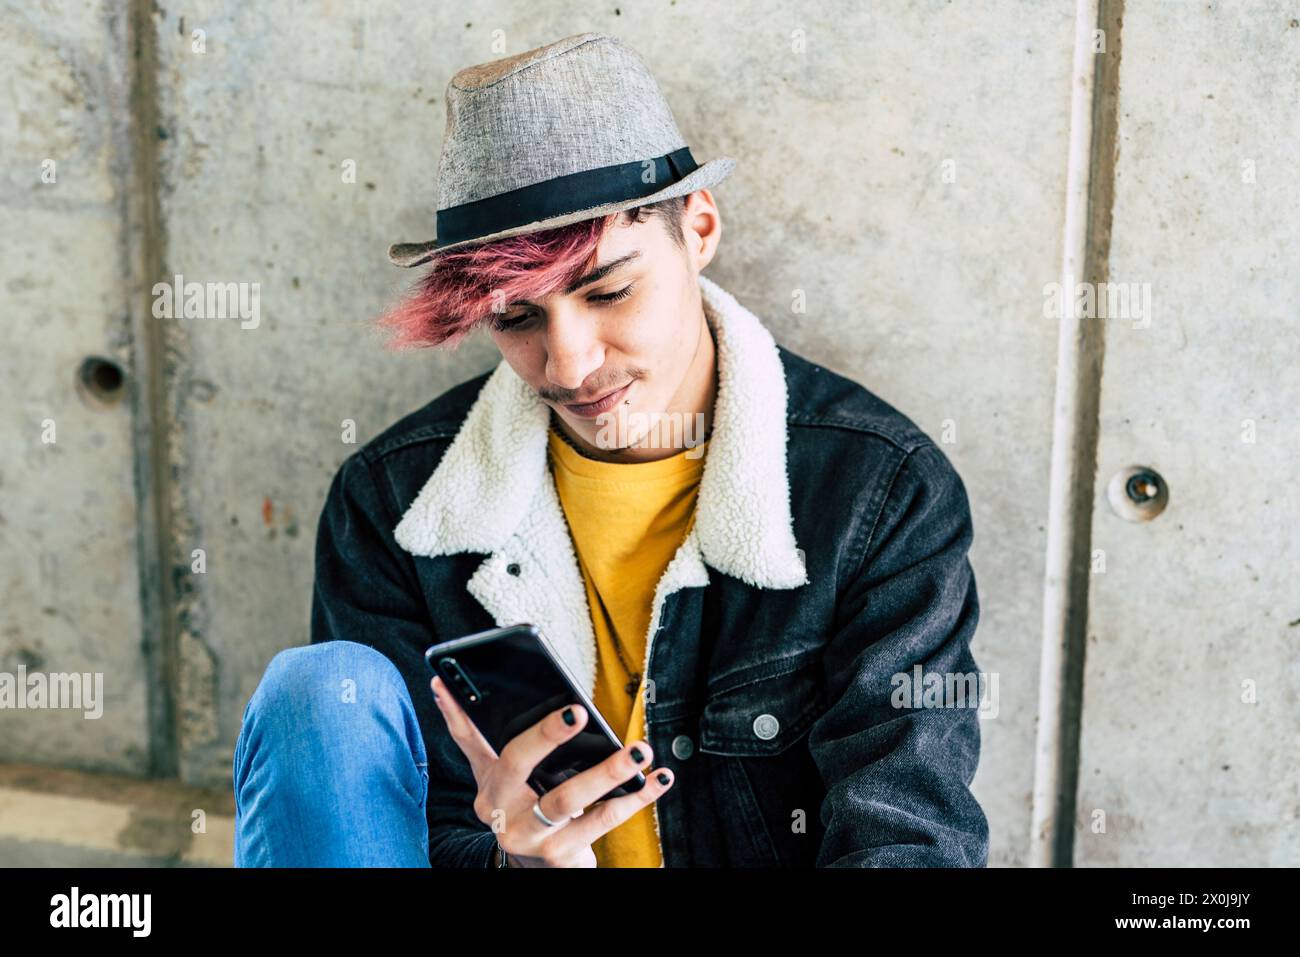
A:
[513,568]
[766,726]
[683,747]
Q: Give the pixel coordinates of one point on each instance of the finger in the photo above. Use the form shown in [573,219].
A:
[463,731]
[573,795]
[609,814]
[529,747]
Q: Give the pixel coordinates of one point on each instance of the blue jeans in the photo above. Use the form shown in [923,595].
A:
[330,767]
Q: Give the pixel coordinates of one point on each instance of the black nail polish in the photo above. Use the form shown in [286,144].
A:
[637,756]
[663,777]
[569,717]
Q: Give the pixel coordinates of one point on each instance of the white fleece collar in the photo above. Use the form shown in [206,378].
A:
[491,475]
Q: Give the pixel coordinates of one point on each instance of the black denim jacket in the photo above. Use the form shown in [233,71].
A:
[828,560]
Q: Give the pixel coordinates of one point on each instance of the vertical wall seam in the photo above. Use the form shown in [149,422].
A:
[1090,186]
[145,244]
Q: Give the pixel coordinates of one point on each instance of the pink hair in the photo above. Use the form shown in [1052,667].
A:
[463,286]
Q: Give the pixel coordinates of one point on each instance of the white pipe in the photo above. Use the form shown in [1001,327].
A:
[1055,773]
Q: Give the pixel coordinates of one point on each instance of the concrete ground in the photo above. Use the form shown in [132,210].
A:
[52,817]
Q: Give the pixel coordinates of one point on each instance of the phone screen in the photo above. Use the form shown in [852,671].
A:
[507,680]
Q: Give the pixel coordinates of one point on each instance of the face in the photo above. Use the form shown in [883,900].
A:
[634,325]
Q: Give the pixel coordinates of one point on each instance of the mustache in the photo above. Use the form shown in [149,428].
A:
[569,396]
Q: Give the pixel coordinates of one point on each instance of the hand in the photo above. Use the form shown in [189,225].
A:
[503,788]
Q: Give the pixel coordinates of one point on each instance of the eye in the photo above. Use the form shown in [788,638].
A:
[518,322]
[614,296]
[514,322]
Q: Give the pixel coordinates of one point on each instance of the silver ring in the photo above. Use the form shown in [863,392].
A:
[537,813]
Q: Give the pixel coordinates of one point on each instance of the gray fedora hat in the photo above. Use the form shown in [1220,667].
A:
[569,131]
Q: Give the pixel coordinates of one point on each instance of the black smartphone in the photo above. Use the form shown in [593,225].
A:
[507,680]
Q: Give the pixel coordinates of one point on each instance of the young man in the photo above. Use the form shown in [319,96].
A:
[741,553]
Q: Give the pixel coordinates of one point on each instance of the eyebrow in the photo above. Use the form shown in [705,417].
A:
[600,272]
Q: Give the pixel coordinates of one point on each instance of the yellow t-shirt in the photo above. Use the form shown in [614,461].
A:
[627,521]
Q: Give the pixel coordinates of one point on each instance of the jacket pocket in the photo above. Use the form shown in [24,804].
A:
[749,727]
[764,709]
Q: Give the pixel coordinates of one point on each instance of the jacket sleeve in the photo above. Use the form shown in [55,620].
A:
[897,774]
[366,590]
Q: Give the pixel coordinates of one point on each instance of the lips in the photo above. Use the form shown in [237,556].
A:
[590,410]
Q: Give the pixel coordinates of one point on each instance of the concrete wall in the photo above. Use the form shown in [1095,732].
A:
[902,166]
[1192,704]
[70,583]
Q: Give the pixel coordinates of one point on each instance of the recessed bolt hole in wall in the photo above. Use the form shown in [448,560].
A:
[100,382]
[1137,493]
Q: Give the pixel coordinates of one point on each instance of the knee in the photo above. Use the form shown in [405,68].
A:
[311,680]
[325,715]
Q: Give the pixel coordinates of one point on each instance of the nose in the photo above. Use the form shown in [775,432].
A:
[573,347]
